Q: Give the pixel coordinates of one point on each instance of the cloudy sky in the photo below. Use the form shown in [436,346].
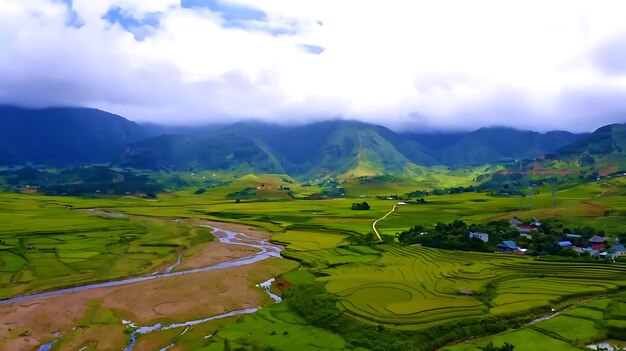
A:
[413,64]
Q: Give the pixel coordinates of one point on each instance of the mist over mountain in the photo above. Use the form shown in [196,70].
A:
[60,137]
[488,145]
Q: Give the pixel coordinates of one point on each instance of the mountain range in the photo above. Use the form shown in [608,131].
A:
[63,137]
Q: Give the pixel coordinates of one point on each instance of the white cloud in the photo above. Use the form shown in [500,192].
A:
[463,64]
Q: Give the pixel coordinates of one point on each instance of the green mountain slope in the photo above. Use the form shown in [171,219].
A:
[317,150]
[607,140]
[489,145]
[228,151]
[359,150]
[63,136]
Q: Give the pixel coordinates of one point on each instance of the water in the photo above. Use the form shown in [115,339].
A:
[610,344]
[266,285]
[159,326]
[545,318]
[169,269]
[267,250]
[48,346]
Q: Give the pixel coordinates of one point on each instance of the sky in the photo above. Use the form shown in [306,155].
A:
[409,65]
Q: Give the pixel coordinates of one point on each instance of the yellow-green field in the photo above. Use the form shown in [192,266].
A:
[417,287]
[50,242]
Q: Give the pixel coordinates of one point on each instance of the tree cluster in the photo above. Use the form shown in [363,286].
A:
[544,241]
[363,206]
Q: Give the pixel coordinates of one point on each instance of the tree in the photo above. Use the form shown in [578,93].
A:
[360,206]
[491,347]
[200,191]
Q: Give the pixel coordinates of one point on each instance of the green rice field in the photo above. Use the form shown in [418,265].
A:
[417,287]
[573,329]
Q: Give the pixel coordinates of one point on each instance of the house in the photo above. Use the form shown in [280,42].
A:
[573,236]
[514,222]
[596,239]
[535,223]
[466,292]
[401,203]
[527,236]
[526,229]
[618,250]
[566,244]
[598,247]
[482,236]
[507,246]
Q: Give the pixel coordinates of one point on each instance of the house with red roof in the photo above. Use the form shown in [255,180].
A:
[526,229]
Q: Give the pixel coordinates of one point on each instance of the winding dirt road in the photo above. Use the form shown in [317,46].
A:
[380,219]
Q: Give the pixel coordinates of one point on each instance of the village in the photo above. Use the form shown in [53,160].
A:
[600,246]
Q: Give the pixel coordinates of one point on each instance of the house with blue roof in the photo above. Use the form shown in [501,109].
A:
[507,246]
[617,250]
[566,244]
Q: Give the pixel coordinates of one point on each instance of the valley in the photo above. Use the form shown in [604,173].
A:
[238,175]
[410,292]
[333,236]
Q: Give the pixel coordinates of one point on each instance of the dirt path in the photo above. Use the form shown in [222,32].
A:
[380,219]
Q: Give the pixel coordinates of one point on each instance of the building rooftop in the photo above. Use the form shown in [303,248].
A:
[509,244]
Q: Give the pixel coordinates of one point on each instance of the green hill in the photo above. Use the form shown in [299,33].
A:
[490,145]
[229,152]
[358,150]
[63,136]
[604,141]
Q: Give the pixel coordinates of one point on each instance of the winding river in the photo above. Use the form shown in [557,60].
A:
[266,250]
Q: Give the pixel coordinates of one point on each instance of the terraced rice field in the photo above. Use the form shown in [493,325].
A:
[417,287]
[331,257]
[573,329]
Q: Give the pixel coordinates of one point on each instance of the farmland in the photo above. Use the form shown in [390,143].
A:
[592,322]
[417,287]
[395,291]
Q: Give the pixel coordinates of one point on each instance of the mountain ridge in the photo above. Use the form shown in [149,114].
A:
[62,136]
[336,147]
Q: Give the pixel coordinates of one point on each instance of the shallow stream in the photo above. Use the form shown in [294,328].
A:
[267,250]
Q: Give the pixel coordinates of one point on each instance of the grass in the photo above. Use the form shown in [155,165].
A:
[279,327]
[571,329]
